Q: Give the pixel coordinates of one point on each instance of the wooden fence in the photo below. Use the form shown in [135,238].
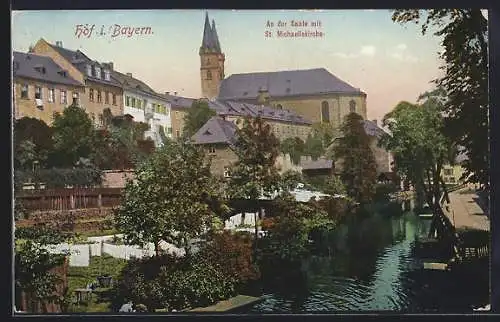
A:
[69,199]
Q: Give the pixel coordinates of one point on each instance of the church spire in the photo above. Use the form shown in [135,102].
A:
[208,39]
[215,37]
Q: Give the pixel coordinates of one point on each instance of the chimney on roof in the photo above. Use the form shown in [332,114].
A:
[111,65]
[59,43]
[175,93]
[129,74]
[263,97]
[375,121]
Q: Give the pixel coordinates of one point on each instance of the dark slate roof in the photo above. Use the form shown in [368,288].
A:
[134,85]
[80,60]
[233,108]
[265,112]
[210,38]
[216,130]
[24,65]
[372,129]
[318,164]
[179,101]
[216,37]
[284,83]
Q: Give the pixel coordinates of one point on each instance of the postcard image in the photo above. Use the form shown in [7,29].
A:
[250,161]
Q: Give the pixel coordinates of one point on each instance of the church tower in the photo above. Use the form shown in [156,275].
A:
[212,61]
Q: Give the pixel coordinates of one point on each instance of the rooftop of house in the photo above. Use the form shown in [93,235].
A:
[372,128]
[41,68]
[284,83]
[133,84]
[80,61]
[233,108]
[216,130]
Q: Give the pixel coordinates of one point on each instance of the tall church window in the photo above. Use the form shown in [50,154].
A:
[352,106]
[325,112]
[209,75]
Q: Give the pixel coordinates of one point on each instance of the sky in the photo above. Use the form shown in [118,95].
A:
[388,61]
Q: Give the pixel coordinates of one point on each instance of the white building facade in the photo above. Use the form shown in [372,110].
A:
[151,109]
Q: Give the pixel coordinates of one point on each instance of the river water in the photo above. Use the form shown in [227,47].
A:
[368,264]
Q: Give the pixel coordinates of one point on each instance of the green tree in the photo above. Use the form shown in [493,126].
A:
[34,264]
[418,144]
[314,146]
[359,169]
[254,174]
[169,198]
[465,56]
[197,115]
[73,135]
[116,145]
[39,134]
[294,147]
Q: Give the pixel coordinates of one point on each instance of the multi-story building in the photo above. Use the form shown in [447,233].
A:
[144,105]
[101,90]
[41,87]
[179,108]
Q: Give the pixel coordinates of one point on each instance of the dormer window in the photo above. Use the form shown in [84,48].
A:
[63,73]
[98,72]
[107,75]
[89,70]
[40,69]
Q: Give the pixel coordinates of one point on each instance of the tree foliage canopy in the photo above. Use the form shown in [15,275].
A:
[169,198]
[72,133]
[418,144]
[359,168]
[255,174]
[465,81]
[197,115]
[32,142]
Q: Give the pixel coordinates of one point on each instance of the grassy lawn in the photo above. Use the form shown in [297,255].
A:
[79,277]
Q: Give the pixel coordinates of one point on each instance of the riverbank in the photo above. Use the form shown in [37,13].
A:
[369,265]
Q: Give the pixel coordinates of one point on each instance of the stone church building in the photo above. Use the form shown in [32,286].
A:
[316,94]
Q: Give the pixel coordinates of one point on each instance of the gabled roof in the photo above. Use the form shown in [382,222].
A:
[179,101]
[284,83]
[216,130]
[26,64]
[372,129]
[132,84]
[78,59]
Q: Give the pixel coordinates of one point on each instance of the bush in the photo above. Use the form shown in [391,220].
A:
[233,253]
[172,282]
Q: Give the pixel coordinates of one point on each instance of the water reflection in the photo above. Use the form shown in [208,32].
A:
[368,264]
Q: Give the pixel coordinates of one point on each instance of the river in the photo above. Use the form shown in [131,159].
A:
[369,265]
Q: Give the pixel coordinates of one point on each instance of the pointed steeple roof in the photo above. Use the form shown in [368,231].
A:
[208,41]
[215,37]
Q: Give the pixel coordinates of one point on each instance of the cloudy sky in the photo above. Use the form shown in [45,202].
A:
[388,61]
